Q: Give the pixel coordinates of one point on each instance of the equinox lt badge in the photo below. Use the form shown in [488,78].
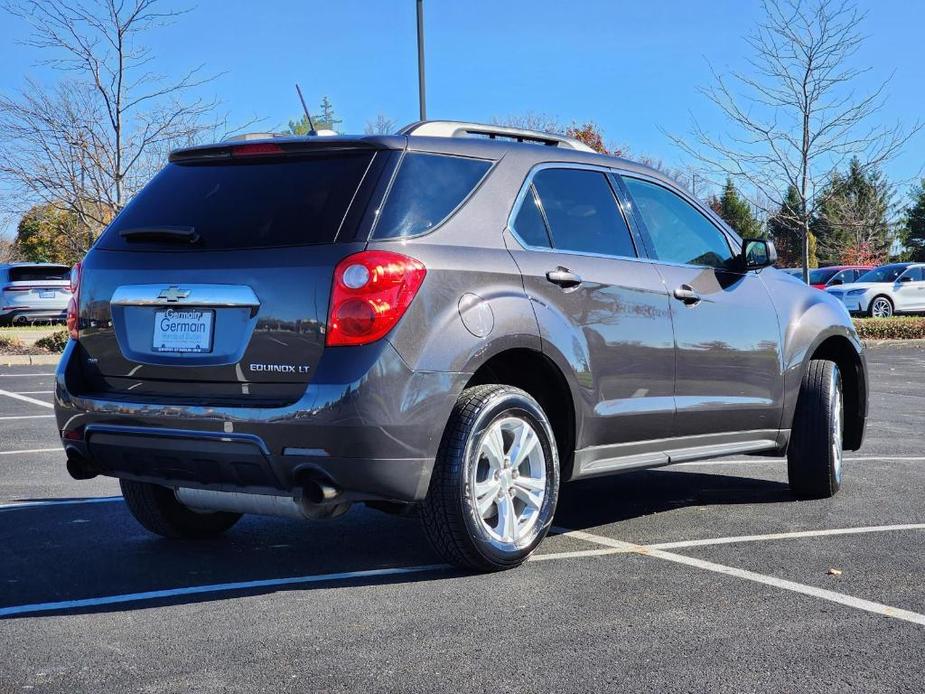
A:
[280,368]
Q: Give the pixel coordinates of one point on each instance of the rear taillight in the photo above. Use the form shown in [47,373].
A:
[372,290]
[73,304]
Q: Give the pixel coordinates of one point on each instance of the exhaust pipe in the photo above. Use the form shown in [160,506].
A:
[317,502]
[79,467]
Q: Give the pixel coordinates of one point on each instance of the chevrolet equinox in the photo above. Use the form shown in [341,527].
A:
[455,319]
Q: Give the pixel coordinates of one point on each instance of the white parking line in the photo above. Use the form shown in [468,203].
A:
[33,450]
[25,398]
[786,536]
[21,505]
[217,588]
[782,461]
[23,375]
[34,392]
[831,596]
[27,416]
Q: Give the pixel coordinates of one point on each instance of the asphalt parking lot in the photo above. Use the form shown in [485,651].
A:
[696,577]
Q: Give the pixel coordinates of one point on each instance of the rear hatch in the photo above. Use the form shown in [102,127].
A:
[38,288]
[213,283]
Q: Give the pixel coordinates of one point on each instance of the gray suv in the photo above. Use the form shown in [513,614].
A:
[455,319]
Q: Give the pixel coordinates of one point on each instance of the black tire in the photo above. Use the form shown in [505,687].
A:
[889,303]
[451,520]
[158,510]
[814,456]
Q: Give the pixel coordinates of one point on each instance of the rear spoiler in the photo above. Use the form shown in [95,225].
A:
[283,146]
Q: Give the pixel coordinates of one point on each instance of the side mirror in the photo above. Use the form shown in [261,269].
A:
[904,279]
[758,253]
[836,282]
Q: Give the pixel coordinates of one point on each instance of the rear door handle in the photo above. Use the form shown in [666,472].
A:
[564,277]
[686,294]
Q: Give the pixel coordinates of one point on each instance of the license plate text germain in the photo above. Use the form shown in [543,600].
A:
[183,331]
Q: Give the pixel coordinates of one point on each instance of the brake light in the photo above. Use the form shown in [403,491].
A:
[73,316]
[372,290]
[256,149]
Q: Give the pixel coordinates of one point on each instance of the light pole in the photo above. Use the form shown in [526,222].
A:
[421,96]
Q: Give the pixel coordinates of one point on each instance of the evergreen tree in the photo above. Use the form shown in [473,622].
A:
[784,229]
[736,212]
[851,222]
[913,229]
[326,120]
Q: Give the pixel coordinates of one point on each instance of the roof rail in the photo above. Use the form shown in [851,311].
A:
[449,128]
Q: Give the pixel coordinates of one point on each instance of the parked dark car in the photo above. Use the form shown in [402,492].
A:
[459,317]
[834,275]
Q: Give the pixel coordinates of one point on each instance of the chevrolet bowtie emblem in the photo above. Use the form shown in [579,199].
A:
[173,294]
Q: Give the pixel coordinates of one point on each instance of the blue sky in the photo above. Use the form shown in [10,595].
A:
[634,67]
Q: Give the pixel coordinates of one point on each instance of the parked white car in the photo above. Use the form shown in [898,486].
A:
[34,293]
[888,289]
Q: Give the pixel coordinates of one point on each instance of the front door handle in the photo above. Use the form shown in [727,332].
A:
[686,294]
[564,277]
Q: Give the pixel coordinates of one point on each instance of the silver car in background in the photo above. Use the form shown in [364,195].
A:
[884,291]
[34,293]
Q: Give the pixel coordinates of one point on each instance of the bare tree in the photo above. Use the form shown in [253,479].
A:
[532,120]
[383,125]
[87,145]
[795,117]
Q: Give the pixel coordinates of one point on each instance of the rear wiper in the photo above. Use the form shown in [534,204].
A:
[165,233]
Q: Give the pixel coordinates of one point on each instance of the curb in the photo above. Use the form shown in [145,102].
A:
[915,342]
[29,359]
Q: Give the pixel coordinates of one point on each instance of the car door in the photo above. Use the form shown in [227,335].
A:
[597,306]
[909,290]
[727,334]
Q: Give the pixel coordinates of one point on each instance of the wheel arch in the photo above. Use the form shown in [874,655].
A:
[851,363]
[538,375]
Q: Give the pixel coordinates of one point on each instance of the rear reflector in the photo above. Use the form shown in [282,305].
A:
[372,290]
[73,304]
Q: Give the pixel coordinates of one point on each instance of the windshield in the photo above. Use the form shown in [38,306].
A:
[884,273]
[822,275]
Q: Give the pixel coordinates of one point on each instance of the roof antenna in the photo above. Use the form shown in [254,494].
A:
[311,125]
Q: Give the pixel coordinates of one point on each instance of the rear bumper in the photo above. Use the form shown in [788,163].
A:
[374,438]
[33,315]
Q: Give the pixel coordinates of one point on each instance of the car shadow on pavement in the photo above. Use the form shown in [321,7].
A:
[66,552]
[595,502]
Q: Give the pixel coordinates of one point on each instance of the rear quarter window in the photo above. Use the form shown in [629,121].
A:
[426,190]
[255,203]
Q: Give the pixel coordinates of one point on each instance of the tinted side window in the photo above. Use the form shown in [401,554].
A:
[582,212]
[427,188]
[677,231]
[529,223]
[916,273]
[845,276]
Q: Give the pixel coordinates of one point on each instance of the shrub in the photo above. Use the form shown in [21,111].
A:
[11,344]
[53,343]
[897,328]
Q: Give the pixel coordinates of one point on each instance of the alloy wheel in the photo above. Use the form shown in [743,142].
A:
[508,480]
[882,308]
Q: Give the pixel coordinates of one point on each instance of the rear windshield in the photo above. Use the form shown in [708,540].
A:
[39,273]
[427,188]
[244,204]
